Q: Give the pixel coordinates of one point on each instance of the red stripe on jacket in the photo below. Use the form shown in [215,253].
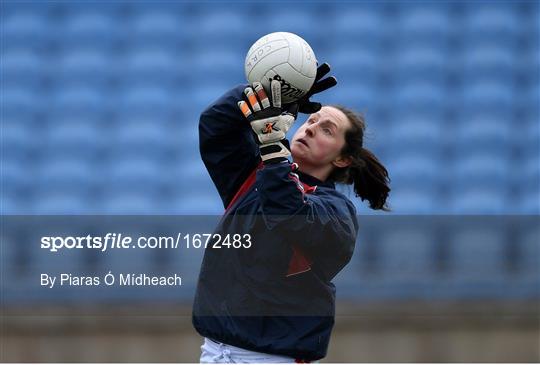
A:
[299,262]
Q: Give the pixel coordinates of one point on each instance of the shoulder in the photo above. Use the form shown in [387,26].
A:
[337,200]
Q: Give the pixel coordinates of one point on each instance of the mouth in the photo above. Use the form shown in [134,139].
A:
[302,141]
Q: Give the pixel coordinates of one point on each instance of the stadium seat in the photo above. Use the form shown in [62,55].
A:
[478,262]
[216,66]
[91,28]
[406,200]
[17,178]
[151,65]
[405,263]
[85,66]
[429,24]
[29,28]
[133,202]
[82,138]
[478,200]
[527,282]
[299,18]
[489,95]
[159,27]
[22,102]
[416,132]
[493,23]
[148,101]
[221,26]
[420,96]
[145,138]
[19,141]
[61,203]
[66,175]
[197,204]
[79,100]
[413,169]
[485,131]
[360,66]
[141,175]
[489,61]
[529,202]
[23,67]
[484,168]
[526,183]
[359,26]
[355,96]
[527,135]
[421,62]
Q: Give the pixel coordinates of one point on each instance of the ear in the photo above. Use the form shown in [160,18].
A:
[342,161]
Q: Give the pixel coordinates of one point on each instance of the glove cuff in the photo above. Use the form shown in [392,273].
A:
[275,152]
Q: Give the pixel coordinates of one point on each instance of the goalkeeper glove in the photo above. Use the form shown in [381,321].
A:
[268,122]
[309,107]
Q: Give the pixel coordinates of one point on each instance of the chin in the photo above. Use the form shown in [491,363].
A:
[298,158]
[296,155]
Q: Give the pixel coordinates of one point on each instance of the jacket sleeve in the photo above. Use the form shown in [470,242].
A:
[226,144]
[323,225]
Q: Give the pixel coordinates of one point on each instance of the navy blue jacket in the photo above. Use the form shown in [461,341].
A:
[276,296]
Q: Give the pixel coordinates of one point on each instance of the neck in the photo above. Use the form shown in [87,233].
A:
[320,173]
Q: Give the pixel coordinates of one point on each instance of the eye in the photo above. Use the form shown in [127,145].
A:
[327,131]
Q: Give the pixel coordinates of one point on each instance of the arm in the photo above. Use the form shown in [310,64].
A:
[322,224]
[226,144]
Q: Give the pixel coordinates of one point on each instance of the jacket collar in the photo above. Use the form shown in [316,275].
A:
[313,181]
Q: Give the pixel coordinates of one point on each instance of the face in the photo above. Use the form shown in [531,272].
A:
[319,141]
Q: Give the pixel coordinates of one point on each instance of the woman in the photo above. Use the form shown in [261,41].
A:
[272,299]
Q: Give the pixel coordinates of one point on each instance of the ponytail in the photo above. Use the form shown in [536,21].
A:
[367,174]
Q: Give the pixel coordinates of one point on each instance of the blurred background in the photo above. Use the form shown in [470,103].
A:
[99,111]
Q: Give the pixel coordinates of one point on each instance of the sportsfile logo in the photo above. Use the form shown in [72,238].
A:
[287,89]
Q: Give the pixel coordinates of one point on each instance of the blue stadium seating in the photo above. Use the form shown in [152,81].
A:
[22,102]
[23,67]
[85,65]
[488,95]
[359,26]
[479,200]
[90,28]
[526,283]
[149,65]
[360,66]
[482,169]
[488,131]
[100,104]
[406,262]
[149,101]
[79,100]
[220,26]
[18,142]
[424,23]
[423,62]
[469,276]
[16,181]
[69,138]
[407,200]
[161,28]
[412,131]
[28,28]
[493,23]
[494,61]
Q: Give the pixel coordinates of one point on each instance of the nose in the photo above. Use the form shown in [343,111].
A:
[310,130]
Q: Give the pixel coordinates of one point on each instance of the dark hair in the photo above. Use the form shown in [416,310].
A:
[369,176]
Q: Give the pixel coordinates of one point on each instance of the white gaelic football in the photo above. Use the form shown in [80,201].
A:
[284,57]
